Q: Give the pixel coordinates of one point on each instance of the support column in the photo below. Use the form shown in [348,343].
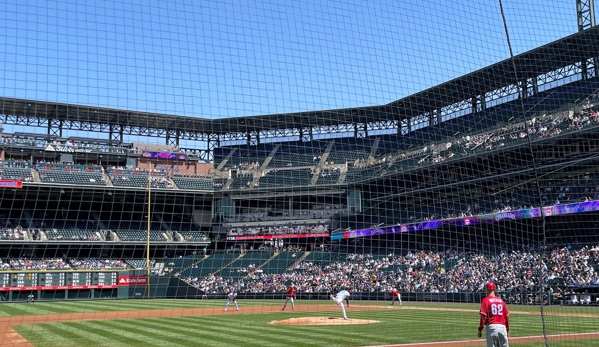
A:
[585,13]
[55,127]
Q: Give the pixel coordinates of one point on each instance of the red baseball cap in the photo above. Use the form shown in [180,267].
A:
[490,286]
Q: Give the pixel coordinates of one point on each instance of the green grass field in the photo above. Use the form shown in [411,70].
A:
[418,322]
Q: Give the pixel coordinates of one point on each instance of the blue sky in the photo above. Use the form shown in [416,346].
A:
[217,59]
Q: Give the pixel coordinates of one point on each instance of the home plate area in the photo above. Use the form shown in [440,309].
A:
[322,321]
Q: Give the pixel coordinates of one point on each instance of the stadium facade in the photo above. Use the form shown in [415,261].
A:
[501,158]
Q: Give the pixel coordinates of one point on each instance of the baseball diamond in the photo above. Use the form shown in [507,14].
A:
[38,328]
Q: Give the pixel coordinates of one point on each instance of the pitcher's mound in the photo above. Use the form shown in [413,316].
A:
[322,321]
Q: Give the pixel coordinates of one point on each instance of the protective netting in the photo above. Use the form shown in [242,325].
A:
[173,173]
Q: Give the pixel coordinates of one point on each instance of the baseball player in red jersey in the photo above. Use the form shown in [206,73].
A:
[289,295]
[395,296]
[494,315]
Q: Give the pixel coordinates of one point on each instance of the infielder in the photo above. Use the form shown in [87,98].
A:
[232,298]
[495,316]
[289,296]
[342,295]
[395,295]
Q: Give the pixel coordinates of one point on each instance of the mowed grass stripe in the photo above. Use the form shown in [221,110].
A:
[59,335]
[171,327]
[143,331]
[21,309]
[195,328]
[255,328]
[107,337]
[237,334]
[258,335]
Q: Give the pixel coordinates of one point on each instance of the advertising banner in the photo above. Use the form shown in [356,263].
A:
[132,280]
[11,184]
[10,289]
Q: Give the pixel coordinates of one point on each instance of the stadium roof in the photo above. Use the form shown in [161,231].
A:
[551,57]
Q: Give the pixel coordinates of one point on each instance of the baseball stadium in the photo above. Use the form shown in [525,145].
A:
[219,173]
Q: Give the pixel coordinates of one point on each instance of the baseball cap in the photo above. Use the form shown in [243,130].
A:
[490,286]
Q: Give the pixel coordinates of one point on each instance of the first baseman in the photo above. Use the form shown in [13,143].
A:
[232,297]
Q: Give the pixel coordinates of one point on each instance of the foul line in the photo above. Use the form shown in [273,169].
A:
[482,342]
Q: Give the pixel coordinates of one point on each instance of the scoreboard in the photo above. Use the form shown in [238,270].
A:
[11,281]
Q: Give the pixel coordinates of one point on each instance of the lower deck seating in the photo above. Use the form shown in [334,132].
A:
[208,265]
[177,264]
[246,263]
[281,262]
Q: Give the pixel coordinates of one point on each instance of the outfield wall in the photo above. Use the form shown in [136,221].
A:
[135,284]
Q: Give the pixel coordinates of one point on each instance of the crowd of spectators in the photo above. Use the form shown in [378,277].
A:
[449,271]
[35,264]
[192,175]
[62,264]
[65,145]
[543,126]
[546,125]
[161,182]
[12,233]
[247,166]
[278,230]
[98,264]
[73,234]
[16,163]
[329,171]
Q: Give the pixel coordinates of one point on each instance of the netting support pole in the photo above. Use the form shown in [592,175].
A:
[522,85]
[149,220]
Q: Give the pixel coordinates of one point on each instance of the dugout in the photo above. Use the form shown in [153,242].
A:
[580,291]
